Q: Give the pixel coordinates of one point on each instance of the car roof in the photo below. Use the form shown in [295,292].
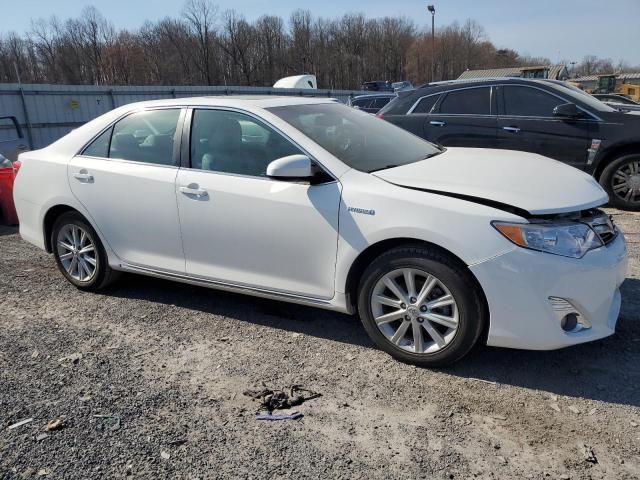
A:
[407,98]
[446,84]
[375,94]
[240,101]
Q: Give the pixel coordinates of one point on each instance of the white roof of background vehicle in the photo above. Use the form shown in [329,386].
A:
[297,81]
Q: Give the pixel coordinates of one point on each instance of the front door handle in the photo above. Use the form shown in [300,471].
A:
[437,123]
[193,190]
[511,129]
[84,176]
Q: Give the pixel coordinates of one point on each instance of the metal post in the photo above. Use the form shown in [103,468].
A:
[113,99]
[432,9]
[25,110]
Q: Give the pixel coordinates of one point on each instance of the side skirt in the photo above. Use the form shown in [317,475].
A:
[243,289]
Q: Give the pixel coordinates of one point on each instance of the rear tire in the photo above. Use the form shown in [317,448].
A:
[436,300]
[621,180]
[79,253]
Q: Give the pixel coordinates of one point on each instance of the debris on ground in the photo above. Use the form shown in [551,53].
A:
[291,416]
[178,442]
[41,437]
[56,424]
[107,423]
[165,455]
[589,454]
[73,358]
[20,423]
[279,399]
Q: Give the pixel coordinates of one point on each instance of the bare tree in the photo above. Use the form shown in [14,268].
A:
[200,16]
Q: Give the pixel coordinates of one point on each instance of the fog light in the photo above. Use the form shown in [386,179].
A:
[569,322]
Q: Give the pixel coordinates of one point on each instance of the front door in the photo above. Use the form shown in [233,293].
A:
[243,228]
[126,180]
[526,123]
[463,118]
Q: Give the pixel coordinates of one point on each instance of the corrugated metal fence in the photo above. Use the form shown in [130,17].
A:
[48,112]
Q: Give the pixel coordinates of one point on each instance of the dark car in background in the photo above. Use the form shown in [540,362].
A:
[371,103]
[377,86]
[547,117]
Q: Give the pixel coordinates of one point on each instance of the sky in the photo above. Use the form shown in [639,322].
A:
[557,29]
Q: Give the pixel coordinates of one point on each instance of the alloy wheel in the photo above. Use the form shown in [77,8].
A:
[625,182]
[77,253]
[414,310]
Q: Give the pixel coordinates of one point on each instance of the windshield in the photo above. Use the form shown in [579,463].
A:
[358,139]
[584,97]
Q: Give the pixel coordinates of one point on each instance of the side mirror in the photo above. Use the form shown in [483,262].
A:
[293,166]
[567,110]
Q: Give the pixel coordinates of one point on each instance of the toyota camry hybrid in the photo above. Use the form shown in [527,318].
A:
[309,201]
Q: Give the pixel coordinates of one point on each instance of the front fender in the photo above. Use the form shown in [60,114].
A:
[373,211]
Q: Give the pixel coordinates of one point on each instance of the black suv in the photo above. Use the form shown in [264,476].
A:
[548,117]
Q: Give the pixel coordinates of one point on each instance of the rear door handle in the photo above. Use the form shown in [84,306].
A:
[437,123]
[193,190]
[84,176]
[511,129]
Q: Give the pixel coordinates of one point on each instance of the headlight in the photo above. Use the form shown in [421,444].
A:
[568,239]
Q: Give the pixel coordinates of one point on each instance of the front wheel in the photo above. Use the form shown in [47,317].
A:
[421,306]
[621,180]
[79,253]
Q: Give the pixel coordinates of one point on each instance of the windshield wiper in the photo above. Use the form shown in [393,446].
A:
[393,165]
[384,168]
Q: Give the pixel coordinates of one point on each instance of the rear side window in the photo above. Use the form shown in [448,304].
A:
[361,102]
[426,104]
[381,102]
[142,137]
[8,129]
[528,102]
[100,146]
[471,101]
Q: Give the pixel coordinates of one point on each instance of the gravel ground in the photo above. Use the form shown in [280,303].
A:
[166,365]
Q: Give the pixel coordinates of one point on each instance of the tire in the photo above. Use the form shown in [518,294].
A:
[467,313]
[95,259]
[628,167]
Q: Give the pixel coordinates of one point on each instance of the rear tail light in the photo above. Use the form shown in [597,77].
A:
[380,116]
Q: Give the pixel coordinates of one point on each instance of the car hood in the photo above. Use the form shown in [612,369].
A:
[501,178]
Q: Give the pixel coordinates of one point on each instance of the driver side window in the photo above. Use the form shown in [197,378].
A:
[232,142]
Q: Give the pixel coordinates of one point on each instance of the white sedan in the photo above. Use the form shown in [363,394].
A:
[309,201]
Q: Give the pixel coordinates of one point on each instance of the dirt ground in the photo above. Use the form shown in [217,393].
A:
[149,379]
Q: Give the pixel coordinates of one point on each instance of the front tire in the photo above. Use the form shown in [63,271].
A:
[79,253]
[621,180]
[421,306]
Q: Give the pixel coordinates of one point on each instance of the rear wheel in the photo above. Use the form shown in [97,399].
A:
[421,306]
[621,180]
[79,253]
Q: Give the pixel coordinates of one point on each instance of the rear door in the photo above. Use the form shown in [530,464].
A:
[526,123]
[12,142]
[126,179]
[463,118]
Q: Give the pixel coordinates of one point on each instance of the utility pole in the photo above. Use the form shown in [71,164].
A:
[432,9]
